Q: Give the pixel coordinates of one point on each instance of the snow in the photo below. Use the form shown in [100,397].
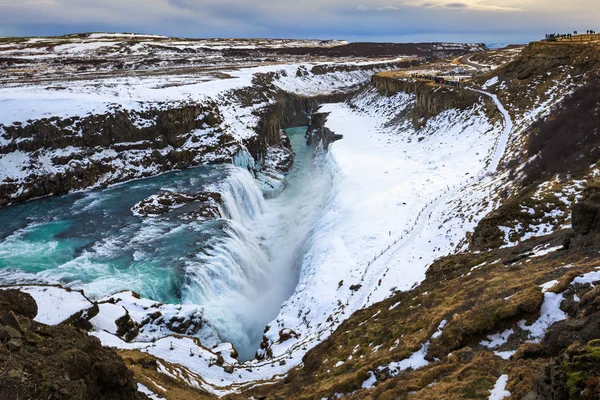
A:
[543,250]
[383,178]
[55,305]
[440,328]
[498,339]
[141,310]
[505,354]
[491,82]
[499,392]
[415,361]
[148,392]
[371,197]
[550,313]
[370,381]
[105,320]
[589,278]
[548,285]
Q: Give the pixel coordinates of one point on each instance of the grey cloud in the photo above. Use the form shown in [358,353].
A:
[469,20]
[456,5]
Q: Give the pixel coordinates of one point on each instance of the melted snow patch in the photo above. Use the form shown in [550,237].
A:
[440,328]
[490,83]
[370,382]
[415,361]
[499,392]
[505,354]
[542,250]
[550,313]
[148,392]
[497,340]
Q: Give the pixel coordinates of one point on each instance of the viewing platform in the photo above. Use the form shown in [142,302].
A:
[573,38]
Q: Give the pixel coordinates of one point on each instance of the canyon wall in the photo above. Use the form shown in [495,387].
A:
[430,99]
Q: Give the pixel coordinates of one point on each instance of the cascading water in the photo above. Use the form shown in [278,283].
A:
[239,268]
[259,261]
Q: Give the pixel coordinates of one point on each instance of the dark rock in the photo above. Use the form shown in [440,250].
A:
[586,223]
[549,384]
[199,206]
[18,302]
[188,325]
[7,333]
[318,134]
[287,334]
[59,362]
[127,328]
[14,345]
[487,235]
[155,315]
[81,320]
[11,320]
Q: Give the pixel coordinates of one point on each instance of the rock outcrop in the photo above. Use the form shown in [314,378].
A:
[318,134]
[55,362]
[430,99]
[58,155]
[201,206]
[586,223]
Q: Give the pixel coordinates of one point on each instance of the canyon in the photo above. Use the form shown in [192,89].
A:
[303,219]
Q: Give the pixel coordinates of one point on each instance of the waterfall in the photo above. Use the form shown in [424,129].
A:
[244,159]
[232,270]
[251,266]
[242,199]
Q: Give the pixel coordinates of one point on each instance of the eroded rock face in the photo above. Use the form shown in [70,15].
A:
[58,155]
[318,134]
[430,99]
[55,362]
[18,302]
[202,206]
[586,223]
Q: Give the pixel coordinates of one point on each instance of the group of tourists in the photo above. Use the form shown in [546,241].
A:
[553,37]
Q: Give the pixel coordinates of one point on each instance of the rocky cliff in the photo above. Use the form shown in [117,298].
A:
[430,99]
[56,155]
[318,134]
[55,362]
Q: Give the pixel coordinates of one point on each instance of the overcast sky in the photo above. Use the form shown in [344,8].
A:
[489,21]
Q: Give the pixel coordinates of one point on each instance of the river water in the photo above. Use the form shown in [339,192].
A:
[240,268]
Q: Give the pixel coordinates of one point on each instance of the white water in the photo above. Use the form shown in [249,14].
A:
[244,278]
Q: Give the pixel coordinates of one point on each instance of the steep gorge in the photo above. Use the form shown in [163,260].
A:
[475,316]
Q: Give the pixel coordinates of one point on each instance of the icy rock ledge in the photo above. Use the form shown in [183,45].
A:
[202,206]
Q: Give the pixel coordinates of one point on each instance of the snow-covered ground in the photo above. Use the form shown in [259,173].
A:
[396,199]
[383,178]
[135,95]
[393,187]
[55,305]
